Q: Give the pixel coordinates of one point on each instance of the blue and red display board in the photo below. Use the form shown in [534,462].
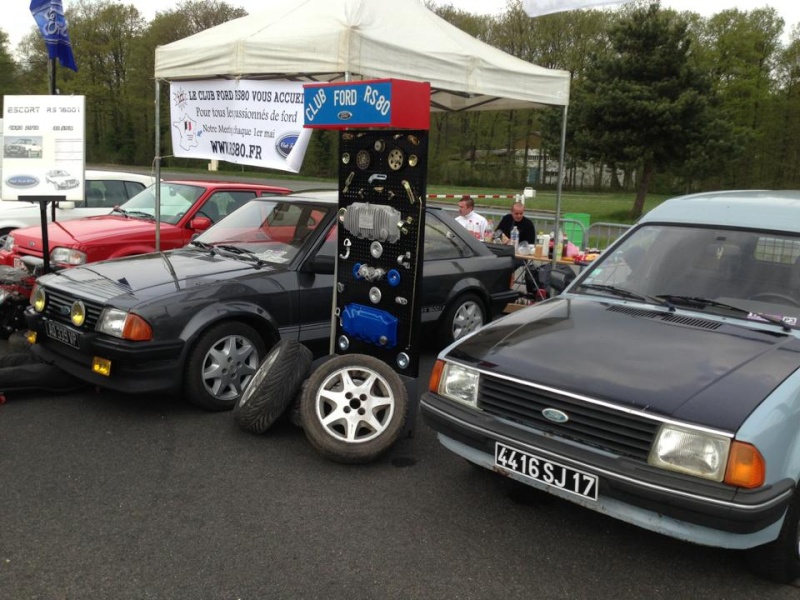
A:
[391,103]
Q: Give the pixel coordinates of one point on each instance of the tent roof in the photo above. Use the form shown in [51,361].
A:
[333,40]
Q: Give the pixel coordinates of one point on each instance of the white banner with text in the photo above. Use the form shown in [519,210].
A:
[248,122]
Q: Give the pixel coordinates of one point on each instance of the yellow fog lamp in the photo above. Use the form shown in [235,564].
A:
[30,336]
[101,366]
[77,314]
[38,299]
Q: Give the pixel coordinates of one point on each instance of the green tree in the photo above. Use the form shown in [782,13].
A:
[643,103]
[9,83]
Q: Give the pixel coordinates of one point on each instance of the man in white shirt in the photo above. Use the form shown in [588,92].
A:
[470,220]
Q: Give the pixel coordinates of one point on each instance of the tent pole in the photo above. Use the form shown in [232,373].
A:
[157,161]
[557,224]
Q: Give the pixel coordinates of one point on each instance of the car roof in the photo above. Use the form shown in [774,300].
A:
[212,183]
[751,209]
[100,175]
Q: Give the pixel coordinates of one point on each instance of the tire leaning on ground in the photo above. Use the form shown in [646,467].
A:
[220,365]
[462,316]
[779,560]
[273,387]
[353,408]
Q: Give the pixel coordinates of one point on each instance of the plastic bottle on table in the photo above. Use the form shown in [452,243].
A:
[515,237]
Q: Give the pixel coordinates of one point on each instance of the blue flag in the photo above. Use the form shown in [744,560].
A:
[49,15]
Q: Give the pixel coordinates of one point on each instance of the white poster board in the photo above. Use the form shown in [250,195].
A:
[43,146]
[249,122]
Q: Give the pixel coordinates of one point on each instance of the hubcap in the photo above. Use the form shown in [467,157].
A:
[229,366]
[467,319]
[355,405]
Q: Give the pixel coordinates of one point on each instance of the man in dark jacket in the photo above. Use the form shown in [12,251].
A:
[527,232]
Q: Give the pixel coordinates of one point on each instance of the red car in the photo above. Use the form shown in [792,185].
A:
[187,208]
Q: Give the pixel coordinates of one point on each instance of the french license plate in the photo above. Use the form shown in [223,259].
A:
[65,335]
[18,264]
[546,471]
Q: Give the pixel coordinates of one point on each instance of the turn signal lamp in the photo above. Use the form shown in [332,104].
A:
[746,467]
[436,375]
[136,329]
[30,336]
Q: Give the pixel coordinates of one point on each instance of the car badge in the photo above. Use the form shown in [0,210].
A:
[555,415]
[32,244]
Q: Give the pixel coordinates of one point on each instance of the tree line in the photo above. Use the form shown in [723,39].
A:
[660,101]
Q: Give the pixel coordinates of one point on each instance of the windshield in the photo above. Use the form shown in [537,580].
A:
[750,270]
[176,199]
[274,229]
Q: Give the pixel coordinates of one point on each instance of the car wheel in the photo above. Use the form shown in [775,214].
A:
[221,364]
[273,387]
[353,408]
[462,316]
[779,560]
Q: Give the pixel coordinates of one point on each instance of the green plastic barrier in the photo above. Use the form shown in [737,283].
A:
[573,231]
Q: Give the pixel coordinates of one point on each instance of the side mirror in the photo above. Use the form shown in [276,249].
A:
[200,223]
[322,264]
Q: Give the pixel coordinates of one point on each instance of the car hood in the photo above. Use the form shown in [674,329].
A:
[102,229]
[151,276]
[671,364]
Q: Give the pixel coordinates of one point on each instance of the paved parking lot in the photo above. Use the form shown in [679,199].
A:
[111,496]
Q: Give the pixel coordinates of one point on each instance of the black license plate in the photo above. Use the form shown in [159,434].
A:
[61,333]
[546,471]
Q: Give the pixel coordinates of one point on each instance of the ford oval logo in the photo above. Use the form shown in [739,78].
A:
[555,415]
[22,181]
[285,144]
[344,115]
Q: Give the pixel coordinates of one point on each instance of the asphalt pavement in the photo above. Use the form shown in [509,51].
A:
[111,496]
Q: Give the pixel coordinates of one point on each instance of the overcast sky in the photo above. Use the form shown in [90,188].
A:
[17,20]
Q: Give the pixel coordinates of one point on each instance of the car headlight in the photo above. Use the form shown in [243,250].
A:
[459,383]
[38,298]
[124,325]
[67,256]
[690,451]
[8,243]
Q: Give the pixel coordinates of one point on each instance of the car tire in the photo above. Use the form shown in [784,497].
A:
[353,408]
[273,387]
[220,365]
[293,412]
[463,315]
[779,561]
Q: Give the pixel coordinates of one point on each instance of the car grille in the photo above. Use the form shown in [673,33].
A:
[59,305]
[596,425]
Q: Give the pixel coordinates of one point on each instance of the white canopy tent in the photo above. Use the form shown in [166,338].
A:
[348,40]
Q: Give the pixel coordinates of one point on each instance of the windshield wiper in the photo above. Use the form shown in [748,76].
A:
[699,302]
[203,246]
[243,253]
[623,293]
[133,213]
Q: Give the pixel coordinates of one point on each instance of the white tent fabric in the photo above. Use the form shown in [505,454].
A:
[338,40]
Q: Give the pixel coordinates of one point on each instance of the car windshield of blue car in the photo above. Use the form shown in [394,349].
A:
[737,273]
[176,200]
[273,229]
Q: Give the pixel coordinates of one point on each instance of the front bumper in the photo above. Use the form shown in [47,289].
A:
[684,507]
[136,367]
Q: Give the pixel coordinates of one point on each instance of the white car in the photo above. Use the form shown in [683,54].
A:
[104,190]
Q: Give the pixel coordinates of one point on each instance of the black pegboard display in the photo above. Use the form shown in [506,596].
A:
[382,179]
